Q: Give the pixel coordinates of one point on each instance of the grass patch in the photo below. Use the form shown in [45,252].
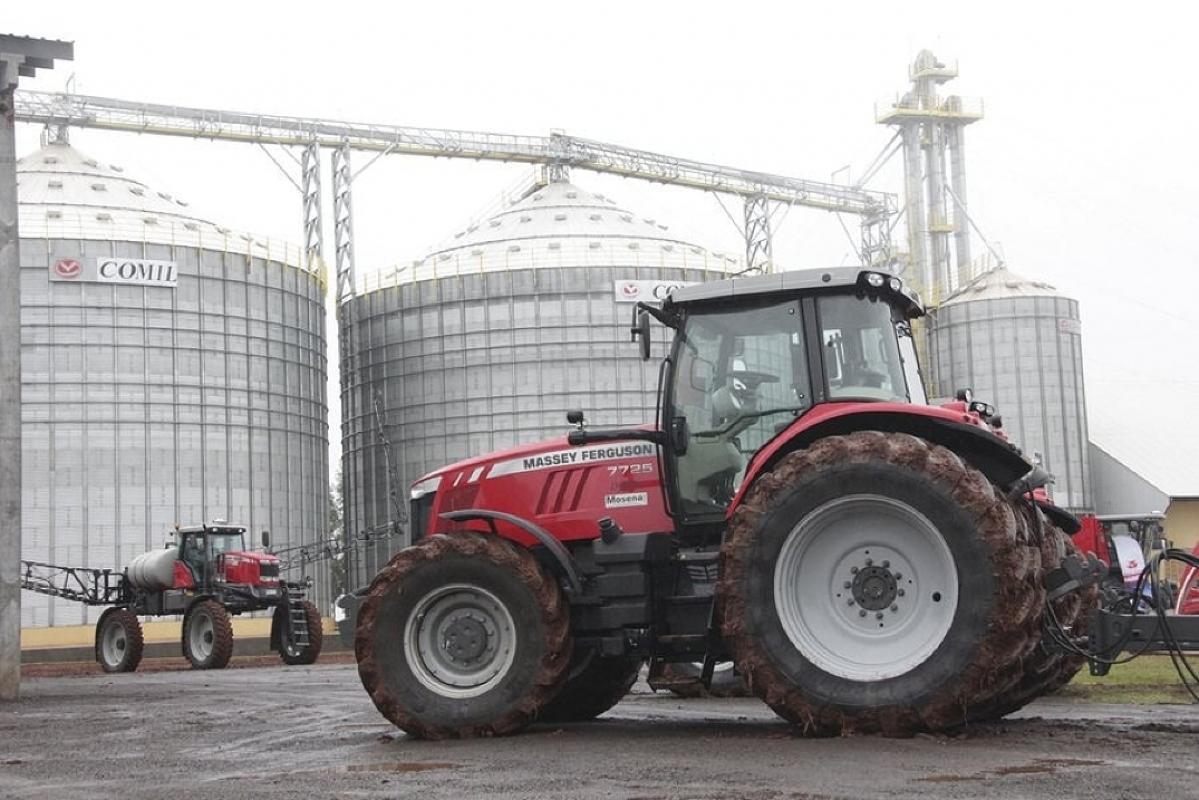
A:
[1148,679]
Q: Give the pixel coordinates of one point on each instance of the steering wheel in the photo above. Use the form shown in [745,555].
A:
[753,378]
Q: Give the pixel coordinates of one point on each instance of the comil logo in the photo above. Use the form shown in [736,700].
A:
[632,291]
[68,268]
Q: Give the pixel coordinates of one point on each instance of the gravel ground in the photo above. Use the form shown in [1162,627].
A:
[312,732]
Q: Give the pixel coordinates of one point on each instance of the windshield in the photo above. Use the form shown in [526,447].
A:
[741,376]
[861,350]
[222,543]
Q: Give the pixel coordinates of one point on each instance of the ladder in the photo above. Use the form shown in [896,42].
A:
[297,617]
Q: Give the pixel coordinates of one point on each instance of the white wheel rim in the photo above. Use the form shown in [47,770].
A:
[865,587]
[460,641]
[202,637]
[114,643]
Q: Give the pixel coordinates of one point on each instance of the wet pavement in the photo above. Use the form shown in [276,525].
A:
[312,732]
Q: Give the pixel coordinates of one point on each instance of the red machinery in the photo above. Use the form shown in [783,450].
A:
[868,562]
[206,575]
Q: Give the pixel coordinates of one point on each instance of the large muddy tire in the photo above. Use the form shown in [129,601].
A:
[1044,671]
[207,635]
[593,685]
[292,653]
[877,583]
[463,635]
[725,681]
[119,641]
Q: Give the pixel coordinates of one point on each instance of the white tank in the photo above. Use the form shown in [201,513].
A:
[153,570]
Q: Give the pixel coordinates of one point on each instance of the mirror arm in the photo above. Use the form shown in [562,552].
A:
[667,318]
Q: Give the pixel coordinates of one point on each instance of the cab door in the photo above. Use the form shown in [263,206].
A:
[739,378]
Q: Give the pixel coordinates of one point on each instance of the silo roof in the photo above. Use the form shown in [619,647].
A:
[998,283]
[560,224]
[65,194]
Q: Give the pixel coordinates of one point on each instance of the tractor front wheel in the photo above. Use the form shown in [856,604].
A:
[119,641]
[462,635]
[877,583]
[207,635]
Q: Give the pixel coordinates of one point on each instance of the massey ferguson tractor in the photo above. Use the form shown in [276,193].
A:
[868,562]
[206,574]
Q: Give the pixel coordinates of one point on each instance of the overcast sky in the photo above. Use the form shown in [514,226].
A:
[1085,170]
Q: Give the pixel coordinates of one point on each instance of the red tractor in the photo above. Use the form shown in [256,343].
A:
[868,562]
[206,574]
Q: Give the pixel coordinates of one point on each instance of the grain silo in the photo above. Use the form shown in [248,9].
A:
[1017,344]
[489,341]
[173,372]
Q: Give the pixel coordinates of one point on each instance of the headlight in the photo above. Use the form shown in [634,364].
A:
[875,280]
[895,284]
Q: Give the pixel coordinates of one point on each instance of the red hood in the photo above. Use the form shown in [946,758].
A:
[555,443]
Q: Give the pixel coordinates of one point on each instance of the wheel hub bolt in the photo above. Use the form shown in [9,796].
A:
[899,593]
[886,564]
[870,562]
[878,615]
[862,613]
[894,608]
[847,584]
[850,601]
[853,570]
[898,576]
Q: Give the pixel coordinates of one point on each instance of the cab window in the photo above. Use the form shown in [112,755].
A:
[741,377]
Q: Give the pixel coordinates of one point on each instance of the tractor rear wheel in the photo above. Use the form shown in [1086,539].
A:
[207,635]
[119,641]
[1044,671]
[292,653]
[593,685]
[876,583]
[462,635]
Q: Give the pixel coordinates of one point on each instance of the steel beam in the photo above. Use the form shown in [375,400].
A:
[343,223]
[310,189]
[570,151]
[759,252]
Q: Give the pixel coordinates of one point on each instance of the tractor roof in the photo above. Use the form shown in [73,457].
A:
[796,281]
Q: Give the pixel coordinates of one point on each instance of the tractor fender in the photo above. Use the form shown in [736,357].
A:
[995,458]
[561,556]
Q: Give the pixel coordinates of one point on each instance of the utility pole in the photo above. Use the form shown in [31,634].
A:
[20,56]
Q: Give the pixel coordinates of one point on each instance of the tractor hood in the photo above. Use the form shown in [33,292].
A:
[529,457]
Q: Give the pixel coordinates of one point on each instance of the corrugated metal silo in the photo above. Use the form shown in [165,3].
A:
[490,341]
[173,372]
[1017,344]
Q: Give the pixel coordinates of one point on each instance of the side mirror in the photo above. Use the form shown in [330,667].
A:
[640,331]
[965,395]
[701,375]
[266,540]
[575,417]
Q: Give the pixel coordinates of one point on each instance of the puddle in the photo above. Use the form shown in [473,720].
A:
[402,766]
[1040,766]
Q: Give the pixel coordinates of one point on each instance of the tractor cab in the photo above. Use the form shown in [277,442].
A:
[217,553]
[752,356]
